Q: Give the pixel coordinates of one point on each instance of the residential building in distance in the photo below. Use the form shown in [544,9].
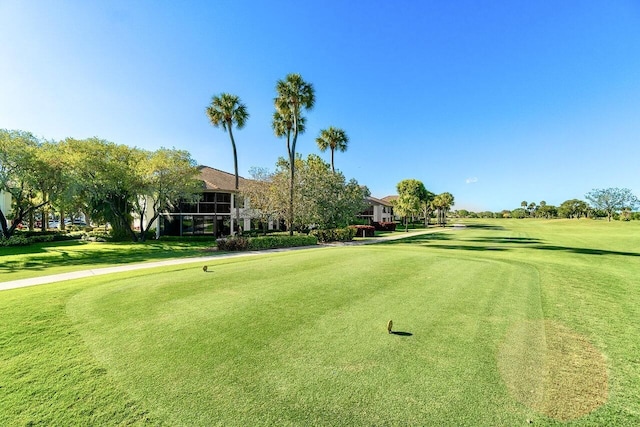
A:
[378,210]
[213,214]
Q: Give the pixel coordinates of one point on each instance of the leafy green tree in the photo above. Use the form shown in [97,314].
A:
[333,139]
[546,211]
[19,176]
[262,195]
[108,180]
[443,202]
[519,213]
[294,95]
[573,208]
[426,204]
[612,200]
[225,111]
[322,197]
[411,194]
[52,179]
[167,177]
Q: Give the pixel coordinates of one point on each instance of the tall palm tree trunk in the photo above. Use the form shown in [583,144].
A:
[292,161]
[332,168]
[235,166]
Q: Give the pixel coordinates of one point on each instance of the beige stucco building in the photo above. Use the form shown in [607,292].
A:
[213,214]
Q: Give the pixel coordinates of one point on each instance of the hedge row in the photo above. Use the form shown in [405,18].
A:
[24,240]
[196,238]
[385,226]
[334,234]
[241,243]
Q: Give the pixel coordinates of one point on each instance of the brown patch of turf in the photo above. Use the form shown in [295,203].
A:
[553,369]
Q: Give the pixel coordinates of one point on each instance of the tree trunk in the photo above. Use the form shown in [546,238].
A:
[3,225]
[44,219]
[292,161]
[235,167]
[333,169]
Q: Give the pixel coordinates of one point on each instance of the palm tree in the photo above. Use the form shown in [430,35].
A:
[225,111]
[448,202]
[334,139]
[293,96]
[443,202]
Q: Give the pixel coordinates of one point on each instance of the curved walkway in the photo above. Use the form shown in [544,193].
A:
[41,280]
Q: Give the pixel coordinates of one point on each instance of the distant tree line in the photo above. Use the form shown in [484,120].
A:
[610,203]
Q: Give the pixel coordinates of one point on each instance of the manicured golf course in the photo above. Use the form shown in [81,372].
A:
[498,323]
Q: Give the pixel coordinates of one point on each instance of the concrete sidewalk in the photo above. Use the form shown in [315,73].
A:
[33,281]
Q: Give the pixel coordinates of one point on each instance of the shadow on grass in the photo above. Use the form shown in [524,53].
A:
[495,240]
[417,240]
[581,251]
[586,251]
[470,247]
[484,226]
[499,244]
[401,333]
[41,257]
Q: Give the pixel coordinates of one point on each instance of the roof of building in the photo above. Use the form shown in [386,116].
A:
[379,201]
[389,199]
[217,180]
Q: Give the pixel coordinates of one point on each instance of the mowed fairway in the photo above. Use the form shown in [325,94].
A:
[497,323]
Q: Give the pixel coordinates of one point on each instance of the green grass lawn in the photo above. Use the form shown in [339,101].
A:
[41,259]
[498,323]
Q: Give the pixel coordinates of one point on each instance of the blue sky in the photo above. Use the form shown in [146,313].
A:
[495,102]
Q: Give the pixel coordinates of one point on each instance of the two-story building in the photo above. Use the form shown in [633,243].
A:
[213,214]
[378,210]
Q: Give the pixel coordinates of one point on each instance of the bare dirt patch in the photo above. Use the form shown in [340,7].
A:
[553,369]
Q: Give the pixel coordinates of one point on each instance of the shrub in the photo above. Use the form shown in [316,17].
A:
[242,243]
[234,243]
[197,238]
[24,239]
[272,242]
[384,226]
[364,230]
[15,241]
[98,235]
[334,234]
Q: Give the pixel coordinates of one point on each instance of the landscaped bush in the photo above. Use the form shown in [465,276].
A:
[97,235]
[234,243]
[272,242]
[334,234]
[56,237]
[27,233]
[198,238]
[243,243]
[24,239]
[385,226]
[363,230]
[15,241]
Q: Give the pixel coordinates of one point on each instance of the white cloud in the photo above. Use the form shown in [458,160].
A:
[471,180]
